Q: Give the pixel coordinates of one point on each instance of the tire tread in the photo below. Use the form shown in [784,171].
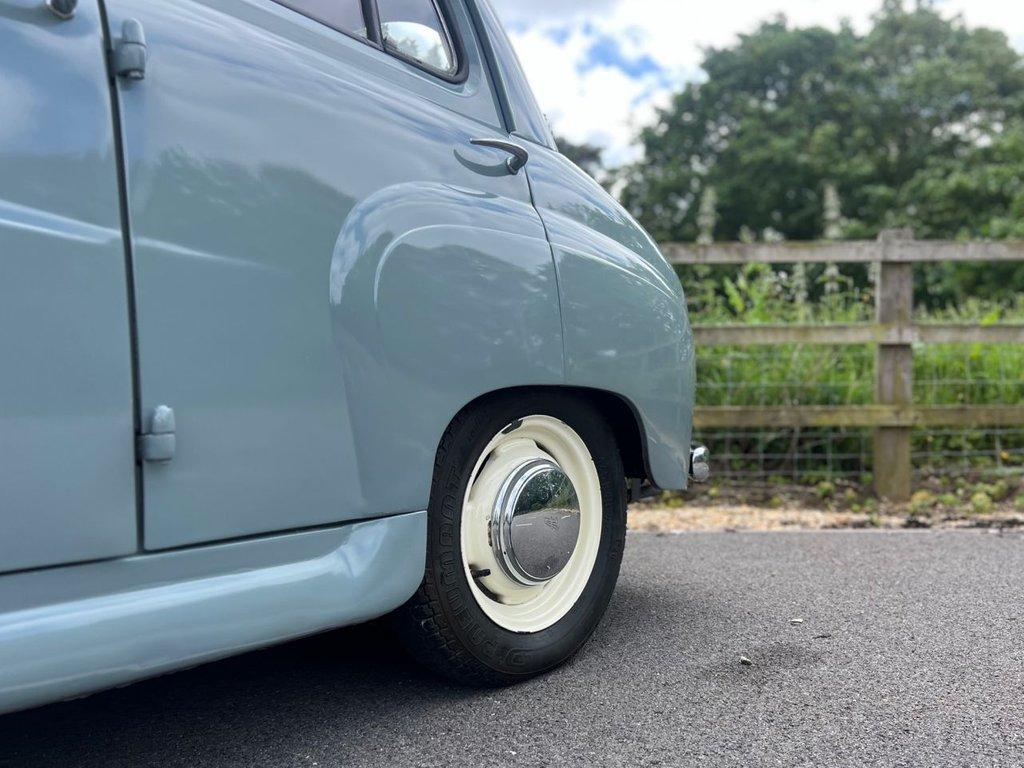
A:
[424,625]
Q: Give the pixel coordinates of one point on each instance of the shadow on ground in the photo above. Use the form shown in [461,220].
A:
[353,688]
[351,677]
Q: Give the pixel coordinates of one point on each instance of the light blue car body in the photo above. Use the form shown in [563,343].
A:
[284,234]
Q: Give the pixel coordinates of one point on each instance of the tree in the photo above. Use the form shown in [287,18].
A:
[915,123]
[979,194]
[586,156]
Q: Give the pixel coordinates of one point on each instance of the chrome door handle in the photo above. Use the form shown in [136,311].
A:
[520,157]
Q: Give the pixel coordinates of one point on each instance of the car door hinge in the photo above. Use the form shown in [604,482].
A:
[157,443]
[129,54]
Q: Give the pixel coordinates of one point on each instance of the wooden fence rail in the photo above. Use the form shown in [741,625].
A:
[864,333]
[893,414]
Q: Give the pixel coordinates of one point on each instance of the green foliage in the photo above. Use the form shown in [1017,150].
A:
[796,374]
[586,156]
[944,374]
[979,194]
[922,501]
[981,503]
[919,122]
[758,293]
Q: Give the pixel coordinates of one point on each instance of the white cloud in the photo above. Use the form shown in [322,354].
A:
[600,103]
[530,11]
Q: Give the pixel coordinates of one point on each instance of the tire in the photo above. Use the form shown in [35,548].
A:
[458,623]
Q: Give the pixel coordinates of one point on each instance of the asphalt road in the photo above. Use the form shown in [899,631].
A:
[911,653]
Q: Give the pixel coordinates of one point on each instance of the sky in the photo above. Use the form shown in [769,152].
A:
[601,68]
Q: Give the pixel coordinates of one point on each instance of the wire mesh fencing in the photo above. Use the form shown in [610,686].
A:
[811,455]
[975,374]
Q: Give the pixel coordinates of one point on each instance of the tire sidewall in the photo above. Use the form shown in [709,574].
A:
[505,652]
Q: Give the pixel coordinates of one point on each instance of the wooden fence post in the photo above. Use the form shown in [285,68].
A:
[894,368]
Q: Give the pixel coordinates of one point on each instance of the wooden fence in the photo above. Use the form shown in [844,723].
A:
[893,415]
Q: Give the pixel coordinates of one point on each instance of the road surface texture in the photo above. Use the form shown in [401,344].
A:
[910,653]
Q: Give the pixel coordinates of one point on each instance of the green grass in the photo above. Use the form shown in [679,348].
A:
[796,374]
[944,374]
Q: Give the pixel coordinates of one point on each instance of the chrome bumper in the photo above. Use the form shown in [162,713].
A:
[700,464]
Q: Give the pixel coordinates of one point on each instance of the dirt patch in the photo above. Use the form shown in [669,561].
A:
[938,503]
[747,518]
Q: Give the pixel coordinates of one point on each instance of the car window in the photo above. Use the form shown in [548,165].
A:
[343,15]
[414,29]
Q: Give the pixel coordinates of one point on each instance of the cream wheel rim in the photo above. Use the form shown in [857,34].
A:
[531,524]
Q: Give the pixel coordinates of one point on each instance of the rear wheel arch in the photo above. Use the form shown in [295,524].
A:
[619,413]
[474,619]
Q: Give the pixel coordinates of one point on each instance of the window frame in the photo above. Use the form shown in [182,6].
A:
[451,36]
[375,37]
[293,6]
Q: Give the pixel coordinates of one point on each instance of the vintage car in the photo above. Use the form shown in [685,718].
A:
[304,320]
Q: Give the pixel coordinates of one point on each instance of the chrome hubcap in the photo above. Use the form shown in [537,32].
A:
[531,524]
[535,523]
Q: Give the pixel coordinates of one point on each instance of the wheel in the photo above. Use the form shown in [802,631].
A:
[526,528]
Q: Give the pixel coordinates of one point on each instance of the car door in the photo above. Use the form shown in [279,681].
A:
[292,175]
[67,477]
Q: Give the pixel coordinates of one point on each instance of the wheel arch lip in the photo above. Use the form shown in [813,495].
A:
[640,451]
